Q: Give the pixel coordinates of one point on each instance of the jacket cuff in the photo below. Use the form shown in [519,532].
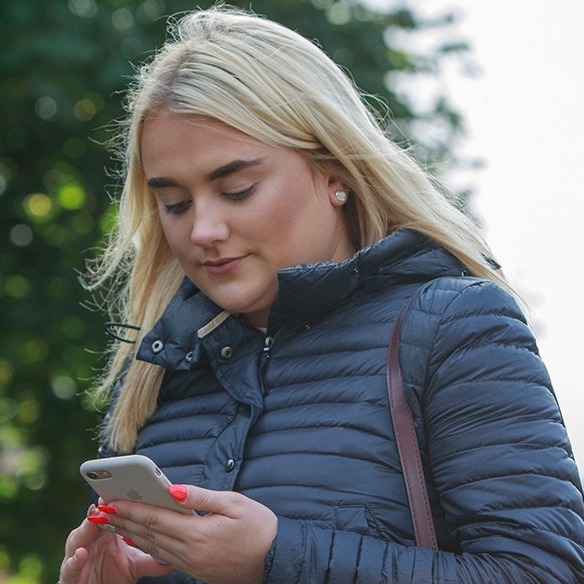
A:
[285,558]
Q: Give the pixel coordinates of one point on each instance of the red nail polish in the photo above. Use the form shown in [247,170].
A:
[129,542]
[179,492]
[107,509]
[98,520]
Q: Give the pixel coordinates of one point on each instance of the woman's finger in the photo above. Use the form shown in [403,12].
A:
[82,536]
[231,526]
[130,519]
[72,566]
[205,500]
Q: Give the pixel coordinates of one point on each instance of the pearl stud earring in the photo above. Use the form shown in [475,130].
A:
[341,196]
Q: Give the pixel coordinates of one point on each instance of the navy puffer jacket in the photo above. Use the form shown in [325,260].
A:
[299,421]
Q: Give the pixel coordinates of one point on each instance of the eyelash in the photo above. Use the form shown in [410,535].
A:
[179,208]
[240,195]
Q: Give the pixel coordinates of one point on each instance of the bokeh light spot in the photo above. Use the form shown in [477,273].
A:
[73,326]
[85,109]
[55,235]
[16,286]
[6,371]
[83,8]
[38,205]
[150,10]
[31,568]
[33,351]
[21,235]
[8,487]
[8,410]
[83,223]
[28,411]
[64,387]
[122,19]
[71,197]
[46,108]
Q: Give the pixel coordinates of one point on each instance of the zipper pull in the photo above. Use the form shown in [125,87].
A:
[268,342]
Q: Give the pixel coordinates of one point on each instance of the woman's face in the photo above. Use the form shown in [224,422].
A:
[235,210]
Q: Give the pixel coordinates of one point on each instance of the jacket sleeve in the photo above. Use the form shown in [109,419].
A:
[497,457]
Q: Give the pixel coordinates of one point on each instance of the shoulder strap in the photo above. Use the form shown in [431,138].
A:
[407,446]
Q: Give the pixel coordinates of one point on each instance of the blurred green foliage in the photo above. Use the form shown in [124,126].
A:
[63,65]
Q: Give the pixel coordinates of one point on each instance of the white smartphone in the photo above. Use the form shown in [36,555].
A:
[132,477]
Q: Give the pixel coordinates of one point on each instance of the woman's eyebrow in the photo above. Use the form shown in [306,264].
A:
[161,182]
[232,167]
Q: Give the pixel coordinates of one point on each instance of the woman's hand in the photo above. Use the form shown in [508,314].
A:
[226,545]
[95,556]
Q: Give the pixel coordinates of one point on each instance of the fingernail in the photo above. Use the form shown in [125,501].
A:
[98,520]
[179,492]
[107,509]
[129,542]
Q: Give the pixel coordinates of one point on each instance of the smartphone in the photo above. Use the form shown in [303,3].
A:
[132,477]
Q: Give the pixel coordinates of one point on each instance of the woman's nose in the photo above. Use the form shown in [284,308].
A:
[209,226]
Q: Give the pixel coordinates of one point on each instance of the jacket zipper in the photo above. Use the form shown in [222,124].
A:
[266,354]
[268,342]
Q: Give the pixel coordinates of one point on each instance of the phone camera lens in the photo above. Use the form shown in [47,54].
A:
[92,475]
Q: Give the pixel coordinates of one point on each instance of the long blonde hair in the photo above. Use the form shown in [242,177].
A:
[269,82]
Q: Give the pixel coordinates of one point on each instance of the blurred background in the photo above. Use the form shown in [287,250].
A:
[64,65]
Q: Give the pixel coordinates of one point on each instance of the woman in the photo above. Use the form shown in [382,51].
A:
[270,234]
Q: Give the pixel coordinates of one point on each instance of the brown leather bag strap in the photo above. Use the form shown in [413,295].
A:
[407,446]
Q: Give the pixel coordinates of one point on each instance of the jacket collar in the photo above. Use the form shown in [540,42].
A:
[304,291]
[404,256]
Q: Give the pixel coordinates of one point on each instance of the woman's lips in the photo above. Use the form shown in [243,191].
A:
[223,266]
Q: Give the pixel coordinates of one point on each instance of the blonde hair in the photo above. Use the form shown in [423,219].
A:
[268,82]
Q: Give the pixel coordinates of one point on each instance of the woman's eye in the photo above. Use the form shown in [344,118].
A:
[177,208]
[240,195]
